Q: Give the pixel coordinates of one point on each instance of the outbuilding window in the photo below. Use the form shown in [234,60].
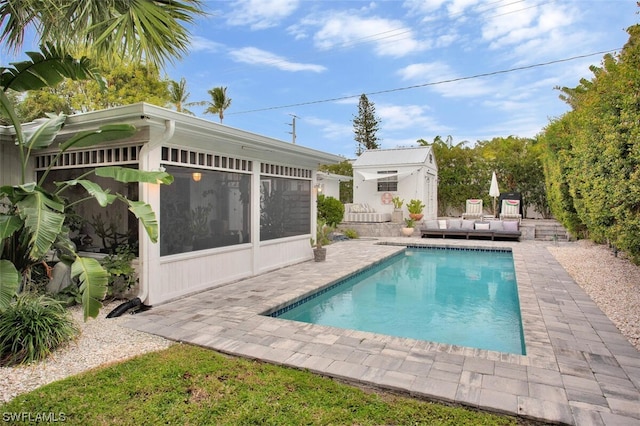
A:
[388,184]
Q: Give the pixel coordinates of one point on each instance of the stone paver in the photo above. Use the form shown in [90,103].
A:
[578,370]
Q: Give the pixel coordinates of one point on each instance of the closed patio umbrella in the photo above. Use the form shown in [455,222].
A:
[494,191]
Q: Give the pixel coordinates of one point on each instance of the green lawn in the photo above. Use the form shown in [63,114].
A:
[188,385]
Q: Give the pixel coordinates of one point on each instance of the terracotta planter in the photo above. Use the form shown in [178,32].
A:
[416,216]
[407,232]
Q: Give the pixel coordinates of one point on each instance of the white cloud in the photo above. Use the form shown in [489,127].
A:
[261,14]
[517,25]
[198,44]
[255,56]
[442,79]
[331,129]
[398,117]
[349,29]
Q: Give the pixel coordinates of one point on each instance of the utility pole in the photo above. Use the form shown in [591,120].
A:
[293,128]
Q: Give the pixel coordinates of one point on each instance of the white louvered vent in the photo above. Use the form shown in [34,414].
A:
[90,157]
[278,170]
[181,157]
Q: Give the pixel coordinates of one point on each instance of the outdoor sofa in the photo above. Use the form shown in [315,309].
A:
[465,228]
[362,212]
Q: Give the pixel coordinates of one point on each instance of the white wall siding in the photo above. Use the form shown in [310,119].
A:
[283,252]
[189,273]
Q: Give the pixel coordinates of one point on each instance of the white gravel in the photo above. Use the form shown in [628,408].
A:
[612,282]
[102,341]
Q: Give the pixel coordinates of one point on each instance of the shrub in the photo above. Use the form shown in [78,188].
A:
[122,274]
[330,209]
[352,234]
[32,327]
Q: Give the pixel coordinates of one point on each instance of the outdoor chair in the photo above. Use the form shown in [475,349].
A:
[510,210]
[473,209]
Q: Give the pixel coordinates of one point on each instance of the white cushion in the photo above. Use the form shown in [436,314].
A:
[431,224]
[482,225]
[454,224]
[510,225]
[467,224]
[496,225]
[442,224]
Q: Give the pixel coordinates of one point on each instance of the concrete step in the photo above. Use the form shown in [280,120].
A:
[551,233]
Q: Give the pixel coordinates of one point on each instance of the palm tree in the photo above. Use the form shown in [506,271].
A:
[146,30]
[220,102]
[179,95]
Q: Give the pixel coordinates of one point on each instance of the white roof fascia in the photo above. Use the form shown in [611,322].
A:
[202,134]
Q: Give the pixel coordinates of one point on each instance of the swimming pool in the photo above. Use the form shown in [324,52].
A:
[459,297]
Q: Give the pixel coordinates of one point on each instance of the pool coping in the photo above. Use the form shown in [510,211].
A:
[578,369]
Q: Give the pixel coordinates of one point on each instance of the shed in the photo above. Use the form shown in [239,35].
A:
[241,204]
[409,173]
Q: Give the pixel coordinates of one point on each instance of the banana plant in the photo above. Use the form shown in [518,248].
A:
[32,220]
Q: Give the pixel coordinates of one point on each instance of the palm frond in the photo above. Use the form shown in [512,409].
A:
[144,212]
[46,69]
[126,175]
[43,218]
[9,282]
[93,284]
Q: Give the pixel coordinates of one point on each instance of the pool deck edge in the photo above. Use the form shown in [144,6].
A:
[579,369]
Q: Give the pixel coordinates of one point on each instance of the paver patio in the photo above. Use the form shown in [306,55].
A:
[579,369]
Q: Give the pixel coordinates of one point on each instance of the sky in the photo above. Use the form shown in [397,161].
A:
[470,69]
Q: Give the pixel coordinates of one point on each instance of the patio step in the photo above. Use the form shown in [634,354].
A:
[551,232]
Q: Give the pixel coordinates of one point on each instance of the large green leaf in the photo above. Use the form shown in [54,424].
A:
[9,281]
[43,218]
[103,196]
[144,212]
[46,69]
[124,174]
[43,135]
[104,133]
[93,284]
[9,224]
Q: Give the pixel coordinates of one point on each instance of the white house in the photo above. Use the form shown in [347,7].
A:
[409,173]
[241,204]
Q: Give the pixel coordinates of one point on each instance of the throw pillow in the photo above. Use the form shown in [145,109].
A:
[510,225]
[467,224]
[496,225]
[356,208]
[442,224]
[482,225]
[454,224]
[431,224]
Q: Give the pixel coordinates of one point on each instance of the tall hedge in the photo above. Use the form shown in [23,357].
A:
[593,152]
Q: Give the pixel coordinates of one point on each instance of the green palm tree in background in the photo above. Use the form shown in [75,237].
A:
[219,102]
[179,95]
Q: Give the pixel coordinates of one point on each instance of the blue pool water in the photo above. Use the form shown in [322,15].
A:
[460,297]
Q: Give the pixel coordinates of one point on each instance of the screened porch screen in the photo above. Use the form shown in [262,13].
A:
[285,207]
[204,209]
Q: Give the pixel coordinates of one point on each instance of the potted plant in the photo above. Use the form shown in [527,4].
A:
[415,208]
[396,216]
[319,252]
[407,230]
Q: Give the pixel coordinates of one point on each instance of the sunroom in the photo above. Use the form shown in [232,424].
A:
[240,205]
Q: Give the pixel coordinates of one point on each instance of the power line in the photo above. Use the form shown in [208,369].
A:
[416,86]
